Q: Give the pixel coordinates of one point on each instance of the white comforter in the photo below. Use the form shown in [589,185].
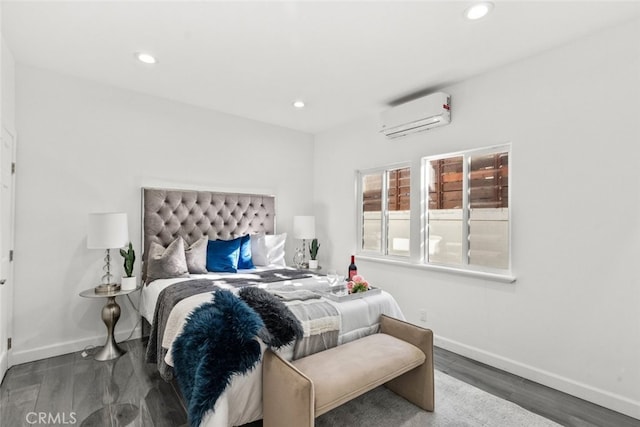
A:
[241,403]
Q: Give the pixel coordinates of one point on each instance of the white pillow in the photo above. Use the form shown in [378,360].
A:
[275,249]
[259,250]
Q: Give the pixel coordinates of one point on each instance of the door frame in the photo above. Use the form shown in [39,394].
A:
[6,319]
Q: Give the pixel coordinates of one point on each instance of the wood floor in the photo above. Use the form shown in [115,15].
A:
[80,391]
[552,404]
[130,389]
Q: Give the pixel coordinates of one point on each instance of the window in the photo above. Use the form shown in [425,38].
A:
[467,210]
[385,210]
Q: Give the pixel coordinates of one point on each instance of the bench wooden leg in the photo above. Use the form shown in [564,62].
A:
[417,385]
[288,398]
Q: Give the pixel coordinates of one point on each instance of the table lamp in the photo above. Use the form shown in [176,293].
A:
[304,227]
[107,231]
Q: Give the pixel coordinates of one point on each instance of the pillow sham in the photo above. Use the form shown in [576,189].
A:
[223,255]
[244,261]
[167,263]
[196,256]
[275,248]
[259,250]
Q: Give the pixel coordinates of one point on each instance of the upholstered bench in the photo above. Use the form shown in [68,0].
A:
[400,356]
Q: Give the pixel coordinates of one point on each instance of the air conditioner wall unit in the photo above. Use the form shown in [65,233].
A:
[418,115]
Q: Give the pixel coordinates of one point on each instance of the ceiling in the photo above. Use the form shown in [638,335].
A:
[345,59]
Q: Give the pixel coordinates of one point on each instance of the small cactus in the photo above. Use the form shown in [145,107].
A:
[129,258]
[313,249]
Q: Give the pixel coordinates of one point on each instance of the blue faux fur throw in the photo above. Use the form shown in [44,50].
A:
[218,341]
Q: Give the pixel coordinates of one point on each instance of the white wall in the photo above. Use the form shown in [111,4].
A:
[7,93]
[572,319]
[86,147]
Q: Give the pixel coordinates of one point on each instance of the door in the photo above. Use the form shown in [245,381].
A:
[7,173]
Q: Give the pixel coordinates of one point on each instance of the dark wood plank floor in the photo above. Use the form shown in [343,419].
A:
[552,404]
[125,391]
[128,391]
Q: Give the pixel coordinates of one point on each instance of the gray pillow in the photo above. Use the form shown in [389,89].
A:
[167,263]
[196,256]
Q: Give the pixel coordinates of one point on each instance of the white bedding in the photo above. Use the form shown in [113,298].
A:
[241,403]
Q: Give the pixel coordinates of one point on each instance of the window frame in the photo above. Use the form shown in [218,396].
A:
[384,227]
[465,267]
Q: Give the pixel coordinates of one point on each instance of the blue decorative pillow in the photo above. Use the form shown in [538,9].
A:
[223,255]
[245,262]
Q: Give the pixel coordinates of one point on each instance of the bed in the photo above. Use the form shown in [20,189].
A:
[273,305]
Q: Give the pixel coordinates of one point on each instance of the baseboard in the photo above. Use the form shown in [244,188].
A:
[592,394]
[3,359]
[17,357]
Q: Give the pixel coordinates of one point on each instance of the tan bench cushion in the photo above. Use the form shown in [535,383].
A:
[347,371]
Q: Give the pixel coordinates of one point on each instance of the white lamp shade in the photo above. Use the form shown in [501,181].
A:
[107,230]
[304,227]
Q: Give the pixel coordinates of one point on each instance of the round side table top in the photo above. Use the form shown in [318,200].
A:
[91,293]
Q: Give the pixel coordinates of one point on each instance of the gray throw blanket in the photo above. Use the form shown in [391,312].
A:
[167,299]
[321,325]
[301,295]
[261,277]
[175,293]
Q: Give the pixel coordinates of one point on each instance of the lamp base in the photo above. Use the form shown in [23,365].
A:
[107,288]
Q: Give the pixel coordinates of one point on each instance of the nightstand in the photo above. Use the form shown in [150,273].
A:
[110,316]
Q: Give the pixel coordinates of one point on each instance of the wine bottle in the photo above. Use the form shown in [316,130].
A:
[353,270]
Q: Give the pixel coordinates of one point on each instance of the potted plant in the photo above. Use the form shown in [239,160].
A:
[128,282]
[313,252]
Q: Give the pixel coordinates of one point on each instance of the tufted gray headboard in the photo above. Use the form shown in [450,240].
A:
[167,214]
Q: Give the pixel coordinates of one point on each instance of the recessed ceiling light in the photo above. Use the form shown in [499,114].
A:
[478,10]
[146,58]
[298,104]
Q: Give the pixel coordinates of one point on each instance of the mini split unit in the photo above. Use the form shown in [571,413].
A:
[416,116]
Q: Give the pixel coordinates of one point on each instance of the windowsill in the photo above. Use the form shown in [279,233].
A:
[504,278]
